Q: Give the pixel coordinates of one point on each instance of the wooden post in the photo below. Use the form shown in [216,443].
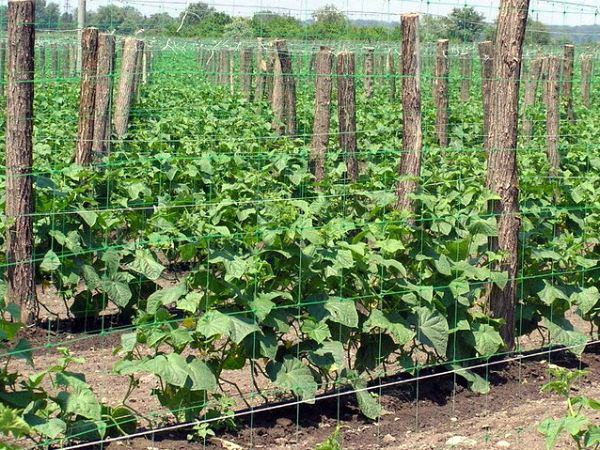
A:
[552,113]
[231,71]
[261,69]
[569,61]
[246,72]
[270,80]
[502,163]
[412,135]
[284,91]
[126,82]
[103,102]
[87,95]
[530,95]
[442,69]
[19,206]
[65,62]
[345,69]
[54,52]
[137,79]
[486,57]
[320,136]
[223,66]
[391,68]
[465,77]
[369,66]
[42,68]
[2,67]
[587,68]
[277,96]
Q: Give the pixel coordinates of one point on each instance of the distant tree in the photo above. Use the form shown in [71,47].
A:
[240,28]
[431,28]
[125,19]
[271,24]
[463,24]
[66,19]
[329,14]
[195,13]
[46,14]
[158,23]
[537,33]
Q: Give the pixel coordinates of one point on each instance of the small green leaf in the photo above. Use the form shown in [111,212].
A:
[432,329]
[342,311]
[50,263]
[145,264]
[294,376]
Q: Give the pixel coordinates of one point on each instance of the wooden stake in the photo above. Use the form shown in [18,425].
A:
[345,69]
[369,66]
[65,62]
[552,113]
[246,72]
[529,97]
[486,57]
[391,67]
[320,136]
[103,102]
[42,68]
[587,68]
[54,52]
[19,206]
[442,69]
[87,96]
[502,163]
[412,135]
[126,84]
[569,62]
[2,67]
[261,69]
[284,91]
[465,77]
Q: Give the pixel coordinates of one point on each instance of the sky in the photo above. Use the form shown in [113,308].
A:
[558,12]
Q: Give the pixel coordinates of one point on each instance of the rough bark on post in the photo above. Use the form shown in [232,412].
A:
[345,70]
[552,113]
[42,68]
[412,135]
[530,95]
[587,67]
[19,206]
[486,57]
[87,96]
[73,60]
[126,82]
[103,102]
[261,69]
[231,71]
[369,66]
[568,69]
[223,66]
[2,67]
[137,79]
[442,69]
[277,96]
[320,136]
[246,72]
[465,77]
[270,80]
[54,54]
[502,162]
[65,62]
[284,91]
[391,68]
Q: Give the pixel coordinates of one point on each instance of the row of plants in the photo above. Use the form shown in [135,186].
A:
[210,235]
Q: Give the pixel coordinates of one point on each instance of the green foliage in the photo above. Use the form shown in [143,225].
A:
[333,442]
[574,422]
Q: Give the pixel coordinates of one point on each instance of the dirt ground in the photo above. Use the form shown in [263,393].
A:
[433,413]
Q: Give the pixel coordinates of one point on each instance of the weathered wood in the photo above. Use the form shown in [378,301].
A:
[87,96]
[2,67]
[277,95]
[320,136]
[486,57]
[568,69]
[42,66]
[66,61]
[54,55]
[231,71]
[246,72]
[442,70]
[391,68]
[587,68]
[465,77]
[261,69]
[552,113]
[284,91]
[502,162]
[104,88]
[412,135]
[125,90]
[529,97]
[369,67]
[346,92]
[137,79]
[270,72]
[19,203]
[223,66]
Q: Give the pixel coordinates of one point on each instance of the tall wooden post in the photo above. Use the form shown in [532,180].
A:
[391,68]
[442,70]
[284,90]
[465,77]
[345,70]
[54,55]
[530,95]
[87,95]
[246,72]
[369,68]
[66,62]
[320,136]
[104,88]
[261,68]
[126,85]
[19,206]
[412,135]
[568,70]
[486,57]
[552,113]
[587,68]
[2,67]
[502,163]
[42,67]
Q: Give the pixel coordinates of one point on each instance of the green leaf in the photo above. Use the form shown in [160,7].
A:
[486,227]
[592,436]
[551,429]
[329,356]
[128,341]
[294,376]
[89,217]
[562,331]
[92,280]
[575,424]
[586,299]
[475,382]
[432,329]
[342,311]
[318,331]
[165,297]
[145,264]
[487,339]
[23,351]
[215,323]
[390,322]
[367,402]
[550,293]
[111,259]
[51,428]
[117,291]
[82,401]
[50,263]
